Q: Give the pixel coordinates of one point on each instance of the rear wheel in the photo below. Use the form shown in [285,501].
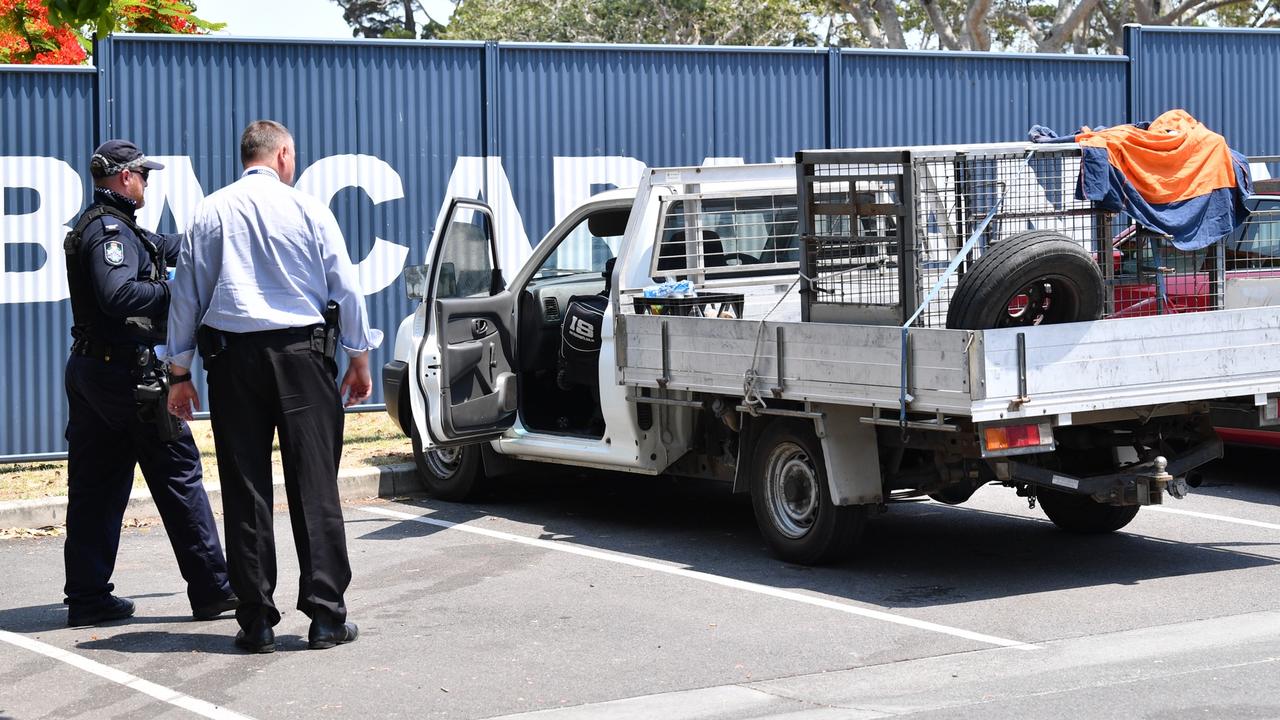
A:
[956,494]
[792,500]
[455,474]
[1082,514]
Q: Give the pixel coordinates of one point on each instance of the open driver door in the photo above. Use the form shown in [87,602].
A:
[464,366]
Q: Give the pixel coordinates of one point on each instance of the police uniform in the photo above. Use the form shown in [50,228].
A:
[120,300]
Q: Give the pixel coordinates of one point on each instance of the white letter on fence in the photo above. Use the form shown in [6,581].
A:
[574,176]
[327,176]
[176,186]
[60,191]
[467,181]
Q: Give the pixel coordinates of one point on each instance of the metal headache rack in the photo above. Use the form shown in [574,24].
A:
[881,228]
[728,234]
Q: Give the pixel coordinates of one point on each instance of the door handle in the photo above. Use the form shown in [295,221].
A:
[479,327]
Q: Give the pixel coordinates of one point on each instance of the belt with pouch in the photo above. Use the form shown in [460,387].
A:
[104,351]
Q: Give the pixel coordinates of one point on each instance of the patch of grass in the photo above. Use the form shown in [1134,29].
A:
[371,439]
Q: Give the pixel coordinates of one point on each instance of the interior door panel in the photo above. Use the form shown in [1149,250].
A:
[476,362]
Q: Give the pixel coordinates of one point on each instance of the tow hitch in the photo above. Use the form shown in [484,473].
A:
[1141,484]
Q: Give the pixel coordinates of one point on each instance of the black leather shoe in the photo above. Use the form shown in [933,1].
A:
[115,608]
[257,638]
[324,635]
[213,610]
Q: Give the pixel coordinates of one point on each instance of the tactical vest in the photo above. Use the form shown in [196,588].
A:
[83,310]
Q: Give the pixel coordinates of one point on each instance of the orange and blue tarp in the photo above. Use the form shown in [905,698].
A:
[1174,176]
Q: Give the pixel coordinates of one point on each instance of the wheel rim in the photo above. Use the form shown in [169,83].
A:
[1043,301]
[792,490]
[444,462]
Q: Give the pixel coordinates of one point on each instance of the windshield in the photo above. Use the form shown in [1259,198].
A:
[587,247]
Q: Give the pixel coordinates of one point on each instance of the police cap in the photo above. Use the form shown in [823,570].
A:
[113,156]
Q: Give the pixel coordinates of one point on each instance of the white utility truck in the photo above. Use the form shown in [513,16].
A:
[865,326]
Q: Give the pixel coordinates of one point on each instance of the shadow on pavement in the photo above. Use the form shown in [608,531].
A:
[43,618]
[1244,474]
[918,555]
[215,643]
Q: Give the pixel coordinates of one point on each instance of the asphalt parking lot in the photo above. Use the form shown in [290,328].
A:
[589,597]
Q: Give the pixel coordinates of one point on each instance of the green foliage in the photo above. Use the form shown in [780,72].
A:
[101,17]
[404,19]
[707,22]
[97,14]
[1004,25]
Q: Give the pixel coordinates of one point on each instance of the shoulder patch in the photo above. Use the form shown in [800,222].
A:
[113,250]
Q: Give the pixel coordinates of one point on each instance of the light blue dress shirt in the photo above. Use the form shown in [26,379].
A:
[261,255]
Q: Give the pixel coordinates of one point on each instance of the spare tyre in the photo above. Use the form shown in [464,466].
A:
[1033,278]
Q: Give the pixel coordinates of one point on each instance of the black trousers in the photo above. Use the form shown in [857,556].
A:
[105,441]
[260,383]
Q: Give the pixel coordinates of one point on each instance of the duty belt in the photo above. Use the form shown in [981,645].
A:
[104,351]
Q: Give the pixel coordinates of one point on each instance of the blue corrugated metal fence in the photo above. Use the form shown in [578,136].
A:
[388,130]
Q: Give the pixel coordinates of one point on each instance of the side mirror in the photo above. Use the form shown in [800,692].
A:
[417,279]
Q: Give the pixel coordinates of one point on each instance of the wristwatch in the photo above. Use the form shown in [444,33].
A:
[176,379]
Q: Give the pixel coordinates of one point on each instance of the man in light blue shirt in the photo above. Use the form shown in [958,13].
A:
[256,271]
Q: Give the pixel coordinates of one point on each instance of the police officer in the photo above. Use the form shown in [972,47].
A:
[119,304]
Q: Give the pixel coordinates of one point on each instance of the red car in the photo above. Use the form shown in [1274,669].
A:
[1252,255]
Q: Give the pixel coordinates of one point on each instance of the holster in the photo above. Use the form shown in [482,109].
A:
[152,395]
[324,340]
[210,343]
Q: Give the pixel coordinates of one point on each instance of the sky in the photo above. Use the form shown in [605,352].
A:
[291,18]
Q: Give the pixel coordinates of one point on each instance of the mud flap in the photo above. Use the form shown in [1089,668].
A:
[852,454]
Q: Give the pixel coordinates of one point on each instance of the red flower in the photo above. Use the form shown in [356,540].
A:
[25,34]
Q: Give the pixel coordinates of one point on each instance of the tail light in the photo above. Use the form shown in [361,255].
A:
[1017,439]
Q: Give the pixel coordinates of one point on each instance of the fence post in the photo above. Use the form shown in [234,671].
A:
[1133,71]
[835,114]
[102,89]
[490,135]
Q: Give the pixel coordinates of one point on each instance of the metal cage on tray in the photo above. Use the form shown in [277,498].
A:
[883,226]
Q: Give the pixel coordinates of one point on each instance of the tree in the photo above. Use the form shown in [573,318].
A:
[388,18]
[56,32]
[1078,26]
[706,22]
[28,37]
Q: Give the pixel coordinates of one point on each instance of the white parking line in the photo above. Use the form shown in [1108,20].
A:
[1219,518]
[707,577]
[159,692]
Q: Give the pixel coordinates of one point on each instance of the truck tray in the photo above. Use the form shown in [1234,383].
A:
[1072,368]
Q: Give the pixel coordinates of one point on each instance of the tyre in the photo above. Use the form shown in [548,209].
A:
[792,501]
[455,474]
[1082,514]
[1034,278]
[957,494]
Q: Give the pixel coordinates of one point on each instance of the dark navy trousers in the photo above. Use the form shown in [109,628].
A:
[106,441]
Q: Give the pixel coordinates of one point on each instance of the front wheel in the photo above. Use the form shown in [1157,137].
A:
[792,500]
[455,474]
[1082,514]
